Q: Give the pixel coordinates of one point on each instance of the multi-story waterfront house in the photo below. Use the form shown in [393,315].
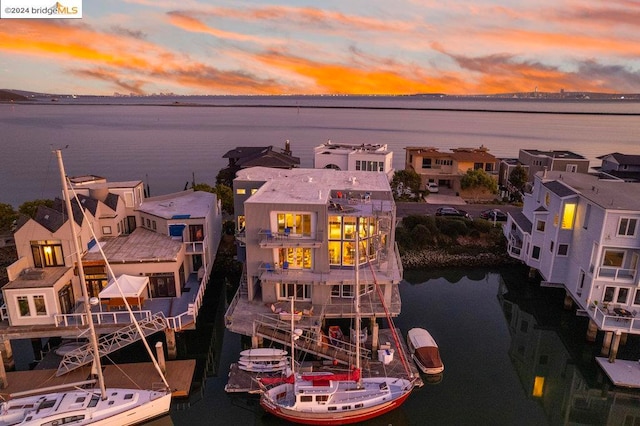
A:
[299,239]
[343,156]
[447,168]
[580,232]
[560,161]
[170,241]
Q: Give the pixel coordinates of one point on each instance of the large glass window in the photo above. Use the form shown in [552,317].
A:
[342,240]
[296,257]
[343,291]
[296,290]
[297,223]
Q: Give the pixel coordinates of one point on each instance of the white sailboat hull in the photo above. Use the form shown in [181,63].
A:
[84,407]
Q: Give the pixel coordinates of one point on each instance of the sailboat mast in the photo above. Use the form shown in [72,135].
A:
[357,300]
[293,359]
[83,283]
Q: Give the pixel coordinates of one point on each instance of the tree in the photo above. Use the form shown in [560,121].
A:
[405,183]
[226,176]
[519,177]
[7,217]
[478,182]
[29,208]
[223,192]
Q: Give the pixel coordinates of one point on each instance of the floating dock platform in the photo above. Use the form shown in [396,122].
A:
[245,382]
[139,375]
[621,373]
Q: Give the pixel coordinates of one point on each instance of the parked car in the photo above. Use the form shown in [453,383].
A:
[432,187]
[452,212]
[494,215]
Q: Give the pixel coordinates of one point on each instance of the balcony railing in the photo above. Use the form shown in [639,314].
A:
[617,274]
[607,320]
[268,238]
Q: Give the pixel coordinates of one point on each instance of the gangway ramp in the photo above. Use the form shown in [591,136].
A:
[309,341]
[111,342]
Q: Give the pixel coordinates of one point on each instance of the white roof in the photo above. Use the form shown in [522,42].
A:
[131,285]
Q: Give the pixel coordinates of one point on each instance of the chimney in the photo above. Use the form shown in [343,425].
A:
[544,173]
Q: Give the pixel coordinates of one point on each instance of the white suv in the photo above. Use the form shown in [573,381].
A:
[432,187]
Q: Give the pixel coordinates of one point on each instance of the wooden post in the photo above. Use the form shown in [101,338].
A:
[606,343]
[375,336]
[172,350]
[160,356]
[614,346]
[592,332]
[568,301]
[4,382]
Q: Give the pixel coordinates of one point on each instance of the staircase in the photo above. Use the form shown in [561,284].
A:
[280,331]
[111,342]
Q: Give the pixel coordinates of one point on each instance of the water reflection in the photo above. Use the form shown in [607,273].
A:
[514,356]
[555,364]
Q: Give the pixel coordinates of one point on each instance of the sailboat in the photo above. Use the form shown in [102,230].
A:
[84,403]
[333,399]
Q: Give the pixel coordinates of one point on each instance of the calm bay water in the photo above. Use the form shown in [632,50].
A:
[167,141]
[491,326]
[497,332]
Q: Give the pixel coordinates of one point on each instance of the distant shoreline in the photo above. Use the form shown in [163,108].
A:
[178,104]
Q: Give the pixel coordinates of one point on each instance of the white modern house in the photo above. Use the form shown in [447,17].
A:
[299,238]
[582,234]
[356,157]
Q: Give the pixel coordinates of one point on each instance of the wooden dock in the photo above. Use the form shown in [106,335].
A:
[621,372]
[246,382]
[136,375]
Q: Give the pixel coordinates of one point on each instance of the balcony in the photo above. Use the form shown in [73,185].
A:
[194,247]
[515,246]
[612,273]
[608,320]
[270,239]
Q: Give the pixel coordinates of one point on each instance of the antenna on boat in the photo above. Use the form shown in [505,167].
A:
[83,283]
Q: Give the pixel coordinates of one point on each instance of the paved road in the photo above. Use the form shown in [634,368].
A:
[406,209]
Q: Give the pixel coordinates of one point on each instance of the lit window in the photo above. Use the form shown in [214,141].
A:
[254,190]
[568,215]
[547,199]
[538,386]
[241,191]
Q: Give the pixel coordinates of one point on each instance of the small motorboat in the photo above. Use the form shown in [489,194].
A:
[424,351]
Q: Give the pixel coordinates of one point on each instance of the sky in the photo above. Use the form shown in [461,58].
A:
[387,47]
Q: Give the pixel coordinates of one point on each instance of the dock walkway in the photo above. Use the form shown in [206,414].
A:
[240,381]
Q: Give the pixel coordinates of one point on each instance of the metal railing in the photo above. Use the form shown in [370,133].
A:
[617,274]
[608,321]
